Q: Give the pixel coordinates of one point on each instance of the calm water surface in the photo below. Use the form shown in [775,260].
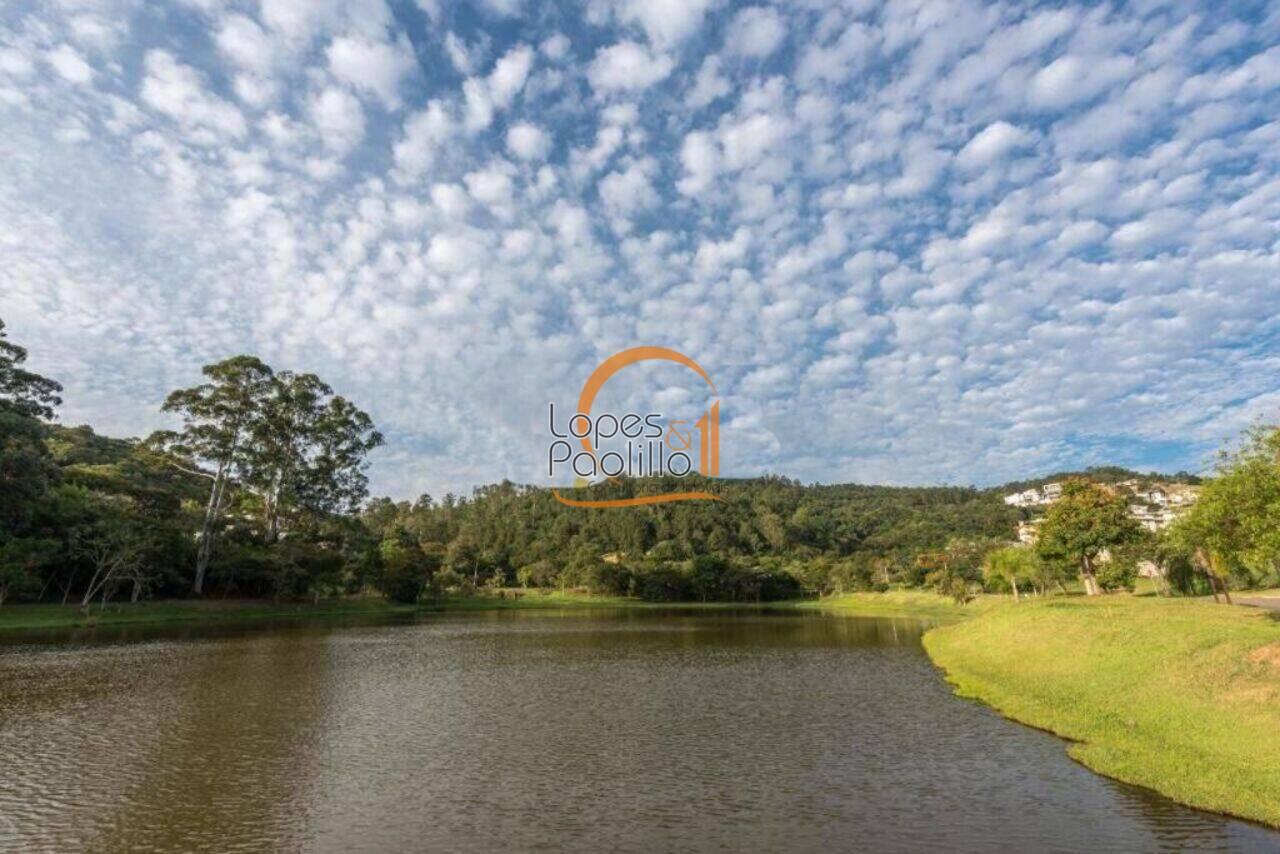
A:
[535,731]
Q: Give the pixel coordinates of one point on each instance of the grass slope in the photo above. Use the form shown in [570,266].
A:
[1179,696]
[898,603]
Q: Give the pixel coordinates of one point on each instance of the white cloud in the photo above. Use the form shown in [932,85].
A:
[755,32]
[700,157]
[464,57]
[376,67]
[555,47]
[922,166]
[491,186]
[748,140]
[666,22]
[509,75]
[425,133]
[338,118]
[242,41]
[298,22]
[70,65]
[835,62]
[178,91]
[629,191]
[992,143]
[1074,79]
[452,200]
[527,141]
[484,97]
[627,66]
[709,85]
[15,63]
[452,253]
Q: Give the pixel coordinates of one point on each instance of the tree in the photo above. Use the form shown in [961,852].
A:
[308,450]
[22,391]
[19,558]
[218,419]
[1235,524]
[1010,565]
[115,546]
[26,471]
[953,570]
[1084,523]
[406,569]
[1119,571]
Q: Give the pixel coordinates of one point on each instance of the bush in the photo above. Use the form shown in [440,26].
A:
[541,573]
[1117,574]
[663,583]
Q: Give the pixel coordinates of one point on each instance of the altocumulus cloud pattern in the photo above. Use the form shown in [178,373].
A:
[913,241]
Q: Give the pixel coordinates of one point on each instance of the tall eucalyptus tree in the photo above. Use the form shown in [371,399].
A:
[219,419]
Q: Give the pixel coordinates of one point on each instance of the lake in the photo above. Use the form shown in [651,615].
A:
[541,731]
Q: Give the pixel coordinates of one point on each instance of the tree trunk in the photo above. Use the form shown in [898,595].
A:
[1203,564]
[205,550]
[1014,582]
[1090,580]
[89,591]
[271,507]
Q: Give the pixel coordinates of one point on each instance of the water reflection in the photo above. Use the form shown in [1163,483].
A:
[626,730]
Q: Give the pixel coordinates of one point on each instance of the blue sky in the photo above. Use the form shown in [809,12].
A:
[911,242]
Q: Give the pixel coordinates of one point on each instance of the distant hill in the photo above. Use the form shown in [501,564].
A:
[1101,474]
[118,466]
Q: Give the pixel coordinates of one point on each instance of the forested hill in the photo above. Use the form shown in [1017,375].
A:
[772,515]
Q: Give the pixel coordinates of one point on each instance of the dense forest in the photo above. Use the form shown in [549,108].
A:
[262,493]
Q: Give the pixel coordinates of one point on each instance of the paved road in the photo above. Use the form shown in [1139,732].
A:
[1269,602]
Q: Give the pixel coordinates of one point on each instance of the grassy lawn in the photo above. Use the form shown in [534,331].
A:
[1180,696]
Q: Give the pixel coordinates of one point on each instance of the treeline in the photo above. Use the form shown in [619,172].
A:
[767,538]
[262,492]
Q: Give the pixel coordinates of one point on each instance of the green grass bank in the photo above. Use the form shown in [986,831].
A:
[1179,696]
[921,604]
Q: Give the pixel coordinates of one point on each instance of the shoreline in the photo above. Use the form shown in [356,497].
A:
[912,604]
[28,617]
